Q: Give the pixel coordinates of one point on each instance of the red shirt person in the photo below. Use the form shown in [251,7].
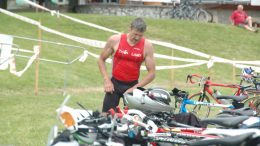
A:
[240,18]
[129,51]
[127,60]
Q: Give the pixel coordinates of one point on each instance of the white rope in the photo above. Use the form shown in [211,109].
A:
[177,58]
[29,63]
[179,66]
[48,60]
[165,44]
[22,50]
[45,41]
[100,44]
[71,18]
[169,45]
[256,69]
[94,43]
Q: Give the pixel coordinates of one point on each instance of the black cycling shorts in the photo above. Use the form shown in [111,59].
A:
[111,100]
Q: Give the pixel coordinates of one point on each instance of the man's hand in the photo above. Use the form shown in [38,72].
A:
[130,89]
[108,86]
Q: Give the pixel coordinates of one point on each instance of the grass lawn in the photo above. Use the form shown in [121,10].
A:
[26,119]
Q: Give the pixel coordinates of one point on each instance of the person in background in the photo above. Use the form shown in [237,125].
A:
[240,18]
[41,2]
[73,4]
[128,51]
[3,4]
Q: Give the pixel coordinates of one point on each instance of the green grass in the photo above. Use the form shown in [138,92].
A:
[26,119]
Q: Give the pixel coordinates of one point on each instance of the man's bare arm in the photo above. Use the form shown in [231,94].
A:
[231,18]
[107,51]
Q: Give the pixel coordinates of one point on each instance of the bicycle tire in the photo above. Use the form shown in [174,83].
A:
[177,15]
[254,103]
[170,13]
[199,109]
[180,12]
[251,92]
[203,16]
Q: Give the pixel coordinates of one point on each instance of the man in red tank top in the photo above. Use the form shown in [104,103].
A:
[129,51]
[241,19]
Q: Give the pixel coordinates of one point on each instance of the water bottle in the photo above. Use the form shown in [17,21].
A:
[222,101]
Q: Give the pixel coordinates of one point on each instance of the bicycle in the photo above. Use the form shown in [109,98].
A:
[83,127]
[129,125]
[154,133]
[185,10]
[206,84]
[182,98]
[248,76]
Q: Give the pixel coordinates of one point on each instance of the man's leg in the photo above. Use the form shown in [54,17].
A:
[249,28]
[249,21]
[248,24]
[111,100]
[122,87]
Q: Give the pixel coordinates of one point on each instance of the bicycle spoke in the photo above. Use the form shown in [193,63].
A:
[200,111]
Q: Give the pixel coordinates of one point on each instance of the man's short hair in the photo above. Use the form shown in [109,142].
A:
[138,24]
[240,6]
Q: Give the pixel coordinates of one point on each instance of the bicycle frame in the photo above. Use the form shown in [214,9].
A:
[208,84]
[186,101]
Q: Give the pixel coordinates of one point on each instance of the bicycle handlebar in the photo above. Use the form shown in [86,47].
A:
[190,76]
[124,114]
[249,76]
[206,80]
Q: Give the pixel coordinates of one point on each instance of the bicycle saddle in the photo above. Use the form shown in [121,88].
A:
[246,111]
[229,122]
[235,98]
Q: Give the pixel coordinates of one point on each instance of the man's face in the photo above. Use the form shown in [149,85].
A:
[240,8]
[135,36]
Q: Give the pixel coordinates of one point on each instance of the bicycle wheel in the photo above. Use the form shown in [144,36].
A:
[170,13]
[203,16]
[251,92]
[254,103]
[177,14]
[201,111]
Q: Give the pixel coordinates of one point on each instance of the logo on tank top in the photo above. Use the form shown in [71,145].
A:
[136,54]
[125,52]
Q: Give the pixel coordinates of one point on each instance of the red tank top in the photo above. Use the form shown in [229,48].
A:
[127,60]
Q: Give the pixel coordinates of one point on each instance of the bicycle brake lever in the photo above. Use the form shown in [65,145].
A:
[188,77]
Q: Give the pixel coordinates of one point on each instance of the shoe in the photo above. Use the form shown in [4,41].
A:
[256,31]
